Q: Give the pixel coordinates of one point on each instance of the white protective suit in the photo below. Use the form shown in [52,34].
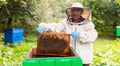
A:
[88,34]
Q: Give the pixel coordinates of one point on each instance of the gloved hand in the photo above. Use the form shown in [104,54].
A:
[75,34]
[41,29]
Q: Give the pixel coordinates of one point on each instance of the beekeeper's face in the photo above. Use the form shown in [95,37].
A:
[76,13]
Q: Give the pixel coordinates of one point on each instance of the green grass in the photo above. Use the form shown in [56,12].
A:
[106,52]
[14,54]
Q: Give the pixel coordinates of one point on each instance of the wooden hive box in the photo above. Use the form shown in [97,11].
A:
[53,44]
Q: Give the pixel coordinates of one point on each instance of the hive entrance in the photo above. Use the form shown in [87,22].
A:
[53,44]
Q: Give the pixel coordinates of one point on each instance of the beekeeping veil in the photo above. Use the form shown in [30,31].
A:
[86,14]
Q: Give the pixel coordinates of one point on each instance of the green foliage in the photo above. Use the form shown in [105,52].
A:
[105,17]
[118,1]
[2,2]
[14,54]
[1,37]
[14,9]
[107,54]
[29,13]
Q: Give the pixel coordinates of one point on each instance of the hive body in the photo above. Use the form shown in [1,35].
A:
[52,50]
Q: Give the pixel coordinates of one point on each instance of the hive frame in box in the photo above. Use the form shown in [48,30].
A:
[40,49]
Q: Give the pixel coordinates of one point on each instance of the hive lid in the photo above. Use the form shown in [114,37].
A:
[50,43]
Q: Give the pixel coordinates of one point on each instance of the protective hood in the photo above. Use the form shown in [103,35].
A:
[86,12]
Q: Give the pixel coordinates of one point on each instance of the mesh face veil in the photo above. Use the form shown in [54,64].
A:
[86,13]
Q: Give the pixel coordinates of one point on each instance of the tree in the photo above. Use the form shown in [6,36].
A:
[29,13]
[11,11]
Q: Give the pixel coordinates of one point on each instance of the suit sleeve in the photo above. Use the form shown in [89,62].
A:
[54,27]
[89,34]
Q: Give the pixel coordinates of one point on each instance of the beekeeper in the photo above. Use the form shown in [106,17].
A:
[82,30]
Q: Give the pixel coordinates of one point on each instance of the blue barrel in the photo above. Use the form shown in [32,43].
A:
[14,35]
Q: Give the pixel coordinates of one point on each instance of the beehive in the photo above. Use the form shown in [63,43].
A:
[118,31]
[32,59]
[14,35]
[53,44]
[46,56]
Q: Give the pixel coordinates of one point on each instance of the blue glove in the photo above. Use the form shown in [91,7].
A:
[75,34]
[41,29]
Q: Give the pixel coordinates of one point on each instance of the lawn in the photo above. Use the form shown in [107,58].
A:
[106,52]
